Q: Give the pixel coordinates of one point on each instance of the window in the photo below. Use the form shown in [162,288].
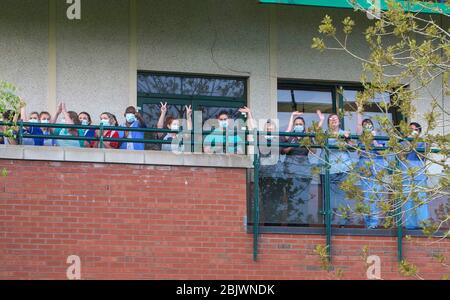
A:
[205,93]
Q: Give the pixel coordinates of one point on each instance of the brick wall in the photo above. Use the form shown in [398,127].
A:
[150,222]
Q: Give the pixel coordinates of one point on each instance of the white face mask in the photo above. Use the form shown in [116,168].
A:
[105,122]
[33,121]
[415,133]
[223,123]
[175,127]
[84,122]
[44,121]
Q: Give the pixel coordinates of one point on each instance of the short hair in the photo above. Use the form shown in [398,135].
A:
[417,125]
[44,113]
[169,121]
[130,110]
[223,112]
[366,121]
[88,115]
[299,118]
[34,113]
[330,116]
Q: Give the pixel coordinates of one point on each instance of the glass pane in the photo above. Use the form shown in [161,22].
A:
[306,101]
[213,87]
[191,86]
[284,96]
[302,96]
[290,193]
[159,84]
[350,96]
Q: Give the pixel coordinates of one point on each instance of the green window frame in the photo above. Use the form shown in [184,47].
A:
[196,100]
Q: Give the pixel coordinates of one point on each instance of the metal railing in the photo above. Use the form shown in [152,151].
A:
[327,212]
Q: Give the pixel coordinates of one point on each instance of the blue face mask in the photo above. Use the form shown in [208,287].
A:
[130,118]
[299,128]
[105,122]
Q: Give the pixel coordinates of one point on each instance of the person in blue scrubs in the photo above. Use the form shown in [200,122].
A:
[415,213]
[45,118]
[298,170]
[85,119]
[340,163]
[372,161]
[133,119]
[215,141]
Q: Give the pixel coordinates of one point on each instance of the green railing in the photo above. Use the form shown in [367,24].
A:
[327,212]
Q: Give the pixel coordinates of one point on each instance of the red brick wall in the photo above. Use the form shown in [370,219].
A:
[150,222]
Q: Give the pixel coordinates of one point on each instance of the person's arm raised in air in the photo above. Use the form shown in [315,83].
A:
[290,128]
[251,124]
[162,118]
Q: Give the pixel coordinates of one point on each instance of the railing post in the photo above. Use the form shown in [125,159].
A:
[224,140]
[235,140]
[20,132]
[256,164]
[327,201]
[398,221]
[101,135]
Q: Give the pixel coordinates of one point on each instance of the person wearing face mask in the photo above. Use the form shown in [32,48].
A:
[107,119]
[133,119]
[272,177]
[373,162]
[85,119]
[297,169]
[174,124]
[340,164]
[33,118]
[45,118]
[416,210]
[70,118]
[218,139]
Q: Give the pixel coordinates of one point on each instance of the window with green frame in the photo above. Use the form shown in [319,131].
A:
[209,94]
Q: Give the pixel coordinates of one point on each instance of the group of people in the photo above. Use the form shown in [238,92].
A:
[293,173]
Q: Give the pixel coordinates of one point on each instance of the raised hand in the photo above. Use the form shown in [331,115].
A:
[188,110]
[22,103]
[63,107]
[320,115]
[163,107]
[245,110]
[296,113]
[59,108]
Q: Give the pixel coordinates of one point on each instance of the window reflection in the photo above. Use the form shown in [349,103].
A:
[191,86]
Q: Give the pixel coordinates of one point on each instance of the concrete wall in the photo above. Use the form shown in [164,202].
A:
[24,49]
[92,57]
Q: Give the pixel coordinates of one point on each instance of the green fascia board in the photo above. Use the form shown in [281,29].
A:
[430,8]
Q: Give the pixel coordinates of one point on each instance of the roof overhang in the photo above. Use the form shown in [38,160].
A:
[424,7]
